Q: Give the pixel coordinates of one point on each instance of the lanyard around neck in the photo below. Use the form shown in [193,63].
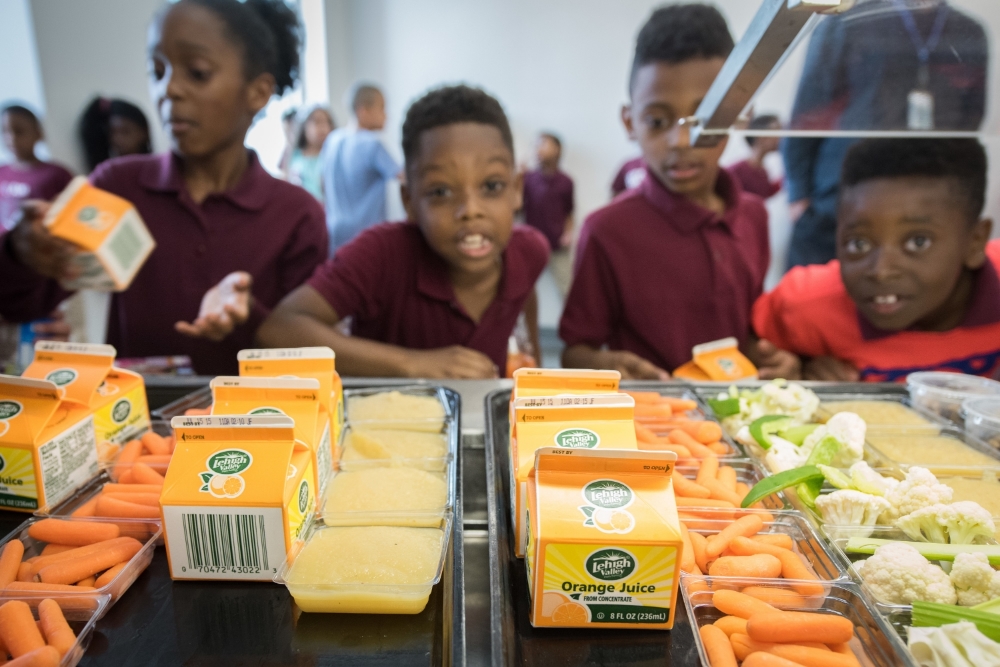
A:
[924,48]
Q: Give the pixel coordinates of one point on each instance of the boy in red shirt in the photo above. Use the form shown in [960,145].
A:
[914,286]
[438,295]
[679,260]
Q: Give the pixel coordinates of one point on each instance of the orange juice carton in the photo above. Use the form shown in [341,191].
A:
[298,398]
[718,361]
[112,240]
[604,545]
[598,421]
[47,445]
[87,374]
[302,362]
[237,497]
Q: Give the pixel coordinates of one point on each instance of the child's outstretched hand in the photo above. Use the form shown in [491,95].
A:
[630,365]
[830,369]
[773,362]
[34,247]
[223,308]
[454,362]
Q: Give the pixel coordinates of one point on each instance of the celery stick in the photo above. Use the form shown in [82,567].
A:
[992,606]
[929,550]
[934,615]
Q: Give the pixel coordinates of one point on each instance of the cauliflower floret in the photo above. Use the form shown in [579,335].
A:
[963,522]
[783,455]
[866,480]
[851,508]
[898,574]
[849,429]
[778,397]
[974,579]
[919,489]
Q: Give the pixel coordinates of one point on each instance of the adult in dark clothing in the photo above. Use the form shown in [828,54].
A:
[883,65]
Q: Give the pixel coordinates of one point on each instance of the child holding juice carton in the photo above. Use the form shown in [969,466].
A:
[460,273]
[231,240]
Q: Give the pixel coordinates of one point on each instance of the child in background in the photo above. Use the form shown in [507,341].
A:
[304,168]
[231,240]
[439,295]
[548,206]
[751,172]
[113,128]
[679,260]
[629,176]
[914,286]
[27,177]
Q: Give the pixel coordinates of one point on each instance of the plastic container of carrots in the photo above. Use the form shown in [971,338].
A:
[30,609]
[726,618]
[746,474]
[134,461]
[131,542]
[666,410]
[787,540]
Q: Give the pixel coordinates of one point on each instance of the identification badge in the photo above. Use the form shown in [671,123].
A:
[920,111]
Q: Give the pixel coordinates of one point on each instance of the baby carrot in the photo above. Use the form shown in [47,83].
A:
[721,492]
[87,583]
[151,499]
[46,656]
[738,604]
[655,411]
[795,627]
[171,442]
[36,587]
[130,452]
[792,566]
[843,647]
[707,471]
[742,527]
[18,630]
[10,561]
[109,575]
[762,659]
[24,572]
[132,488]
[814,657]
[143,474]
[73,533]
[776,597]
[703,431]
[775,540]
[727,477]
[718,448]
[644,397]
[73,570]
[698,544]
[717,646]
[688,563]
[643,434]
[761,566]
[679,404]
[685,487]
[154,443]
[697,449]
[86,509]
[197,411]
[732,624]
[126,477]
[107,505]
[743,646]
[681,451]
[742,489]
[39,562]
[703,502]
[57,632]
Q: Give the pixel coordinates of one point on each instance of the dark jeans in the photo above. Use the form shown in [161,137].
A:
[814,239]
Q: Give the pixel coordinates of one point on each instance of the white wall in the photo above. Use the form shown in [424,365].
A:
[19,75]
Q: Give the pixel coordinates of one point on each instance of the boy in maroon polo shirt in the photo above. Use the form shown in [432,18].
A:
[438,295]
[548,206]
[679,260]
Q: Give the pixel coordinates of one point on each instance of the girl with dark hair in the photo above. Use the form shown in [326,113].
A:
[304,166]
[231,239]
[112,128]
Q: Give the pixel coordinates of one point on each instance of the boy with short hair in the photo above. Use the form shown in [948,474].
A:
[355,168]
[439,295]
[548,206]
[679,260]
[914,286]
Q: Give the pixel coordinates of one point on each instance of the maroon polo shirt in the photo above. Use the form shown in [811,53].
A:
[755,180]
[398,290]
[629,176]
[657,274]
[273,230]
[44,180]
[548,201]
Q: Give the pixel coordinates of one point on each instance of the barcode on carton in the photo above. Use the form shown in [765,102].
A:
[235,543]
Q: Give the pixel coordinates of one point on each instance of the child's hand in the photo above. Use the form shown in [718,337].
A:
[223,308]
[631,366]
[34,247]
[454,362]
[775,363]
[830,369]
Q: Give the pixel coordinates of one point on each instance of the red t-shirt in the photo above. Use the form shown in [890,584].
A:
[398,291]
[656,274]
[810,313]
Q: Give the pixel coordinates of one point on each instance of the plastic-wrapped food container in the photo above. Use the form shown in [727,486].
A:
[81,620]
[352,498]
[108,458]
[943,393]
[148,534]
[982,419]
[407,408]
[874,645]
[748,472]
[78,502]
[949,451]
[807,544]
[347,580]
[701,413]
[200,400]
[890,410]
[355,457]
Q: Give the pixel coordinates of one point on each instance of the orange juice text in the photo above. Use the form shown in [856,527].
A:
[47,444]
[302,362]
[112,240]
[237,496]
[605,545]
[599,421]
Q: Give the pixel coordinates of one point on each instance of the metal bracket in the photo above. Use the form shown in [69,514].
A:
[773,30]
